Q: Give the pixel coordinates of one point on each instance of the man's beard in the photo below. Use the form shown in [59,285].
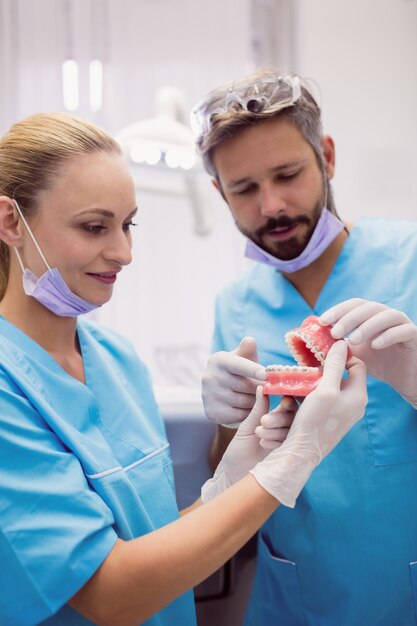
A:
[290,248]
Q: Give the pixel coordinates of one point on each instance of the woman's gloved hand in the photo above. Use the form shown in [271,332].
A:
[242,454]
[229,383]
[384,338]
[274,426]
[322,420]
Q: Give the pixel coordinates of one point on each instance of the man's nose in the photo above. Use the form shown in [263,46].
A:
[272,201]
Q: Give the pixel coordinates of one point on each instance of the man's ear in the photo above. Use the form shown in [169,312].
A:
[216,184]
[9,222]
[329,155]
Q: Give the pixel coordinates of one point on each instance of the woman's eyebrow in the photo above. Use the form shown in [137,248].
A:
[105,212]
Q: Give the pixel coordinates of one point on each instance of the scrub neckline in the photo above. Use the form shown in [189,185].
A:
[41,352]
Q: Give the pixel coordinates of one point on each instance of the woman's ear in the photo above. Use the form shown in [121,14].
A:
[9,222]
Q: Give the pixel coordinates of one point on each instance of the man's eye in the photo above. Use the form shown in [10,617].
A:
[289,176]
[244,190]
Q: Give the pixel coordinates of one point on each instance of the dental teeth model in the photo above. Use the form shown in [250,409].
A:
[309,345]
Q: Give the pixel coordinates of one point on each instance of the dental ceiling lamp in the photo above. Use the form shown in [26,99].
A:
[162,154]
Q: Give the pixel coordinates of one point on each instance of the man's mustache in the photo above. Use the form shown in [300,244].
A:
[282,222]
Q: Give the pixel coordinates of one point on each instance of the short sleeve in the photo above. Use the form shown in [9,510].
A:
[55,531]
[218,341]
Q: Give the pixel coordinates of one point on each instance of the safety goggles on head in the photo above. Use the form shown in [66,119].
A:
[263,96]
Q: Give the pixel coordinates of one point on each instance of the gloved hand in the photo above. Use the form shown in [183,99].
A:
[242,454]
[274,426]
[322,420]
[229,383]
[384,338]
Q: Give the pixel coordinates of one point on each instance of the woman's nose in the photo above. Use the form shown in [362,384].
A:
[119,249]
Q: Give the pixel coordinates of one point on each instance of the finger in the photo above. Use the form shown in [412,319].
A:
[270,445]
[247,348]
[229,416]
[238,365]
[357,373]
[376,323]
[354,392]
[223,382]
[231,399]
[215,379]
[335,313]
[288,403]
[272,434]
[260,407]
[277,420]
[405,334]
[354,318]
[334,365]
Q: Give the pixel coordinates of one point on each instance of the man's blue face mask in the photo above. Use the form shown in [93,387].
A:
[325,232]
[51,289]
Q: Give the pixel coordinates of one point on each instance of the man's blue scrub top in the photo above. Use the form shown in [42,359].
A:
[80,465]
[346,554]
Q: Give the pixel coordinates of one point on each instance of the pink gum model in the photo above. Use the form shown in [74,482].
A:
[309,345]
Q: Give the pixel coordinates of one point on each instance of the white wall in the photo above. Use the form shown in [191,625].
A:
[363,54]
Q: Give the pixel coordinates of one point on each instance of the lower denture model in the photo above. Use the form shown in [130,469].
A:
[309,345]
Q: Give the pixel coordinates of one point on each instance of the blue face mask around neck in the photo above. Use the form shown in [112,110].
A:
[51,289]
[327,229]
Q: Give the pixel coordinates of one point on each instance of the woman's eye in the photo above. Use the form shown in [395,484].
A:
[95,229]
[127,225]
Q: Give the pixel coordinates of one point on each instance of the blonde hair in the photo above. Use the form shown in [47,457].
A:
[32,152]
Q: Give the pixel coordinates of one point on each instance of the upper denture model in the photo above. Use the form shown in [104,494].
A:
[309,345]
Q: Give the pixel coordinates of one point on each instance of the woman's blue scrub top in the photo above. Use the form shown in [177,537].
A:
[80,466]
[346,555]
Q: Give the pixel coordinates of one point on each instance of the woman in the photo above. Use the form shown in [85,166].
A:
[89,527]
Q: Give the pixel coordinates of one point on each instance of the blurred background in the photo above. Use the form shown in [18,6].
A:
[122,62]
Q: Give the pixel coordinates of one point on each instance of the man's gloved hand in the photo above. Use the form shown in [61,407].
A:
[229,383]
[322,420]
[242,454]
[384,338]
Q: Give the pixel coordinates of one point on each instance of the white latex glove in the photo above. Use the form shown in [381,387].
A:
[242,454]
[229,383]
[275,425]
[322,420]
[384,338]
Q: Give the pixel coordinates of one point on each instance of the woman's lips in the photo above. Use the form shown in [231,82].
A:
[106,277]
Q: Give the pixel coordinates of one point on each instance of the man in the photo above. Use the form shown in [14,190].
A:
[346,554]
